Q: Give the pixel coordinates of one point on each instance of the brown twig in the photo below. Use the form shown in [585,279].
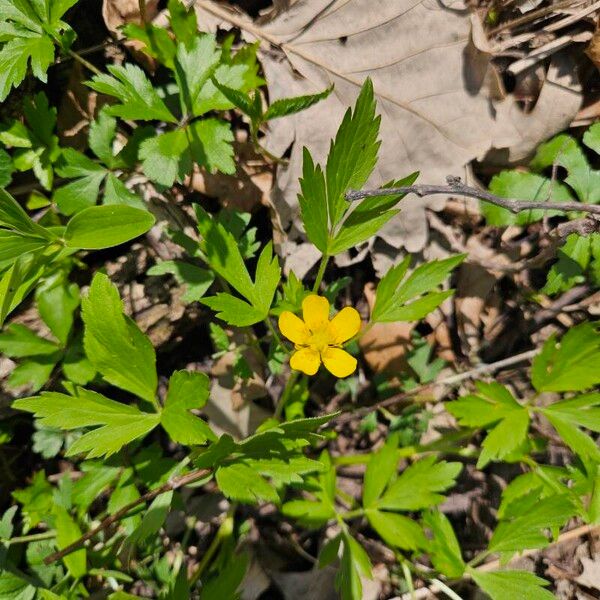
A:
[173,484]
[457,187]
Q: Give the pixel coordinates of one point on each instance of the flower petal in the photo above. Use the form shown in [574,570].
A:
[306,360]
[315,310]
[293,328]
[338,362]
[345,325]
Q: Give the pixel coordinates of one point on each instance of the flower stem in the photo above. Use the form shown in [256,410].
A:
[285,395]
[448,591]
[225,530]
[86,63]
[321,272]
[34,537]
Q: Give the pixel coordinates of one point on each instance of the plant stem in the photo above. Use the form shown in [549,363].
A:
[34,537]
[321,272]
[352,514]
[225,530]
[448,591]
[287,390]
[86,63]
[408,578]
[276,335]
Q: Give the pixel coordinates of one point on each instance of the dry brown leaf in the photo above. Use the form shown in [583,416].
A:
[433,120]
[385,345]
[117,13]
[590,577]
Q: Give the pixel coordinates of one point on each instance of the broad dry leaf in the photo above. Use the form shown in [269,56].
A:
[435,118]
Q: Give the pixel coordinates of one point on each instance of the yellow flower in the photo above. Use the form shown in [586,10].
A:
[318,339]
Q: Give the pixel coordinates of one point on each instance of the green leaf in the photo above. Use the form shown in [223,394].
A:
[6,526]
[313,203]
[139,100]
[34,373]
[57,300]
[512,585]
[573,364]
[569,415]
[116,192]
[18,280]
[309,514]
[444,548]
[353,153]
[101,137]
[170,156]
[418,486]
[242,483]
[14,217]
[381,468]
[187,390]
[401,298]
[355,564]
[196,279]
[12,587]
[24,48]
[564,151]
[37,501]
[195,62]
[526,532]
[228,580]
[6,168]
[249,106]
[183,23]
[105,226]
[158,43]
[114,344]
[494,408]
[569,270]
[14,244]
[83,192]
[67,531]
[119,423]
[397,530]
[525,186]
[153,518]
[289,106]
[368,217]
[223,255]
[19,341]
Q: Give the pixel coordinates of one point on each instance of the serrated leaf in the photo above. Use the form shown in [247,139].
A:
[512,585]
[381,467]
[569,270]
[139,100]
[418,486]
[573,364]
[527,532]
[106,226]
[187,390]
[118,423]
[195,61]
[183,22]
[288,106]
[240,482]
[564,151]
[313,203]
[401,298]
[114,344]
[444,548]
[397,530]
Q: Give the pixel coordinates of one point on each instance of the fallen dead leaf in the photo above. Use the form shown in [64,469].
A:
[385,345]
[431,120]
[590,577]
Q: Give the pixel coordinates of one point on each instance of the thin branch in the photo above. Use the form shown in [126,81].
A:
[457,188]
[173,484]
[450,381]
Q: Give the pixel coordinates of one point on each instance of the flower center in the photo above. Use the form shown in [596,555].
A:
[320,338]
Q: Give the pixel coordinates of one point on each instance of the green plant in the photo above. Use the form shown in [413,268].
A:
[134,436]
[578,258]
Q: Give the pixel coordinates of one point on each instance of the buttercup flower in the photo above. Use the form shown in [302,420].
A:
[317,339]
